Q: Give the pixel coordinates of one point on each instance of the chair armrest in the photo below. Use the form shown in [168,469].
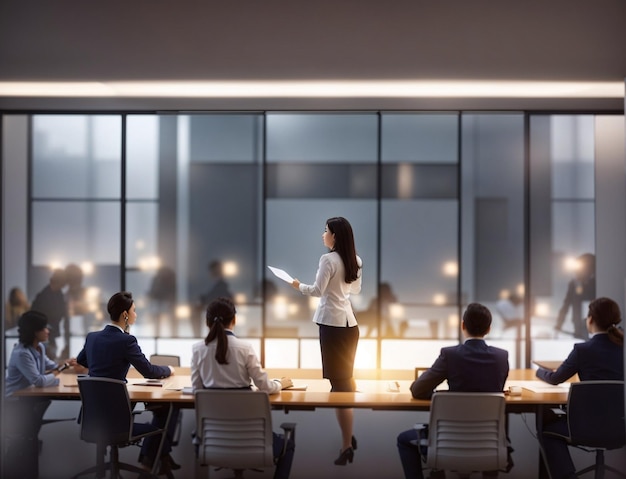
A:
[289,429]
[555,434]
[420,426]
[557,411]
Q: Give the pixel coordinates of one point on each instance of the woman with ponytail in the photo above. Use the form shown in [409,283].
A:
[223,361]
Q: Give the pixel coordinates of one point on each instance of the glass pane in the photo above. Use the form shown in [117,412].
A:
[141,236]
[76,156]
[78,232]
[418,290]
[562,226]
[142,156]
[226,138]
[223,193]
[419,138]
[322,138]
[493,223]
[572,146]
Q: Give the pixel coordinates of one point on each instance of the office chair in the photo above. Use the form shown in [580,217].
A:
[595,419]
[107,421]
[466,433]
[234,430]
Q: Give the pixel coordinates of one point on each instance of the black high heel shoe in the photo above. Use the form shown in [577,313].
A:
[347,455]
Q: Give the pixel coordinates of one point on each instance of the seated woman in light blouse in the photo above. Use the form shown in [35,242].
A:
[28,367]
[223,361]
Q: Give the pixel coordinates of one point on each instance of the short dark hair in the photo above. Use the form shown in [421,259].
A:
[477,319]
[29,324]
[119,303]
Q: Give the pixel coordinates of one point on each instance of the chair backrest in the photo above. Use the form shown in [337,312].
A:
[165,360]
[234,428]
[106,414]
[595,414]
[467,432]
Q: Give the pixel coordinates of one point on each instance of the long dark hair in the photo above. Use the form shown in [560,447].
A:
[344,245]
[29,324]
[606,314]
[219,314]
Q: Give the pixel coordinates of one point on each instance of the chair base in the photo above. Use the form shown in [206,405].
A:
[114,470]
[599,471]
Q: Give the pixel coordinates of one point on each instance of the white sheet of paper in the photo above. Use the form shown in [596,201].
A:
[282,274]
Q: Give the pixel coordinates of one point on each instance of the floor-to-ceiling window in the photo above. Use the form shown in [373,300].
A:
[447,208]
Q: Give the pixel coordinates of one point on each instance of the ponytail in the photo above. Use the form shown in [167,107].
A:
[219,314]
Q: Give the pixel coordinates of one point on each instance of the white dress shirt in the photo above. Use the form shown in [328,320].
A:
[243,366]
[334,308]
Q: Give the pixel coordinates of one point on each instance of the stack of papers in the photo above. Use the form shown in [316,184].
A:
[540,386]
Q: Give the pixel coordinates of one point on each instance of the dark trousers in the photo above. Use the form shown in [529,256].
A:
[150,444]
[556,451]
[409,452]
[20,426]
[283,465]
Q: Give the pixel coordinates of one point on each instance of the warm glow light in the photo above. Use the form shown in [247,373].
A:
[183,311]
[87,267]
[240,298]
[439,299]
[441,88]
[55,264]
[405,181]
[571,264]
[542,309]
[313,302]
[230,269]
[149,263]
[521,289]
[140,244]
[280,308]
[396,311]
[450,268]
[504,294]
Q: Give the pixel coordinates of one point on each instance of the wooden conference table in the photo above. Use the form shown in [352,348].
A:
[377,394]
[391,393]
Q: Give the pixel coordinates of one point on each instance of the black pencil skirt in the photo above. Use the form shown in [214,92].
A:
[338,346]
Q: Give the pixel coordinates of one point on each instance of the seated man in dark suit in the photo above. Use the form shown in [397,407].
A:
[110,353]
[469,367]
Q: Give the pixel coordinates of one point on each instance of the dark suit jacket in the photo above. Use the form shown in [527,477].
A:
[110,352]
[469,367]
[596,359]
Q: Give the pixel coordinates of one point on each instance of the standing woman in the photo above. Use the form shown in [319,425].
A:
[338,275]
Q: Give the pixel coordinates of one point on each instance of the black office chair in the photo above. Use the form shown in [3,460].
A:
[595,418]
[107,420]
